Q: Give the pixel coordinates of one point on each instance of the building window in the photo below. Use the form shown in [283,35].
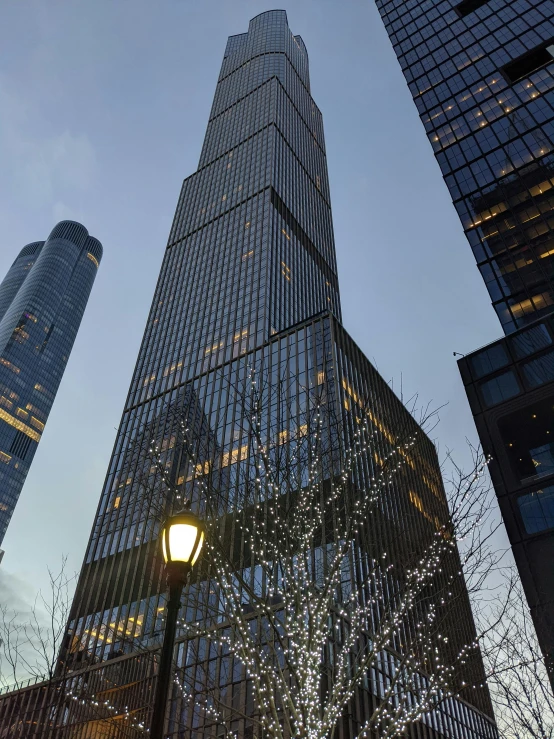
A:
[529,62]
[499,388]
[539,371]
[531,341]
[537,510]
[468,6]
[542,458]
[489,360]
[528,438]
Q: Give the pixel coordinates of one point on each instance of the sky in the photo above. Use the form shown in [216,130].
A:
[104,106]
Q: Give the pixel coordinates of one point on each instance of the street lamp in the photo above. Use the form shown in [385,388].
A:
[182,540]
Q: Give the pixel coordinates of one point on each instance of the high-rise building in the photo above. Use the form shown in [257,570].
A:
[42,301]
[248,283]
[481,73]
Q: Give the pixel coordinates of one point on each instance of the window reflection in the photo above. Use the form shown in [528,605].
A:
[537,510]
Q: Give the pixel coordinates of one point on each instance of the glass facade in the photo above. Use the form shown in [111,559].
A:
[537,510]
[42,301]
[248,287]
[482,77]
[510,388]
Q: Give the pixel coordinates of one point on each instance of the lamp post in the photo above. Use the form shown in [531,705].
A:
[182,539]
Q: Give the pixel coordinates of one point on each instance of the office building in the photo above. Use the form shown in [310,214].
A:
[248,284]
[42,301]
[482,77]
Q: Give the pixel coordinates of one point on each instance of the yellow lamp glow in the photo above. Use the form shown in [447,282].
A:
[182,538]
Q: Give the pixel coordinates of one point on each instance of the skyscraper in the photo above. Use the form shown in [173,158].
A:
[248,283]
[481,73]
[42,301]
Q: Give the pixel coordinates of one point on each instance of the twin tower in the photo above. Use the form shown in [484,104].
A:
[42,301]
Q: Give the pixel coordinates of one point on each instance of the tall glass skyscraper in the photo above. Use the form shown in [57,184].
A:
[42,301]
[481,73]
[248,283]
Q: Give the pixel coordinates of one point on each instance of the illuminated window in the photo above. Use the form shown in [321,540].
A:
[5,402]
[21,413]
[416,501]
[286,234]
[202,468]
[20,335]
[248,254]
[214,347]
[320,377]
[37,424]
[285,271]
[10,366]
[240,335]
[92,258]
[375,421]
[5,458]
[45,391]
[172,368]
[378,459]
[34,409]
[19,425]
[117,501]
[235,455]
[282,436]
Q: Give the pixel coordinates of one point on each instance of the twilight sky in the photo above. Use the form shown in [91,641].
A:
[103,108]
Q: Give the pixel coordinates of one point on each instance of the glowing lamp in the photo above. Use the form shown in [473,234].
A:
[182,539]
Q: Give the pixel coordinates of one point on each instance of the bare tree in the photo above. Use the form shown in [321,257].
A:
[30,642]
[330,620]
[313,605]
[519,683]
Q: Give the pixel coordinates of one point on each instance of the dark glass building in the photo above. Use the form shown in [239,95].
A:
[248,283]
[482,77]
[42,301]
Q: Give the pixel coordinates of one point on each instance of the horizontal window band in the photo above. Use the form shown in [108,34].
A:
[240,100]
[19,425]
[267,126]
[216,218]
[266,53]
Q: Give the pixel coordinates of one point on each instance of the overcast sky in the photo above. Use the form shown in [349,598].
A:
[103,108]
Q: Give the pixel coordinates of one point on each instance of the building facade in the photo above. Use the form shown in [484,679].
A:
[482,77]
[42,301]
[248,288]
[510,388]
